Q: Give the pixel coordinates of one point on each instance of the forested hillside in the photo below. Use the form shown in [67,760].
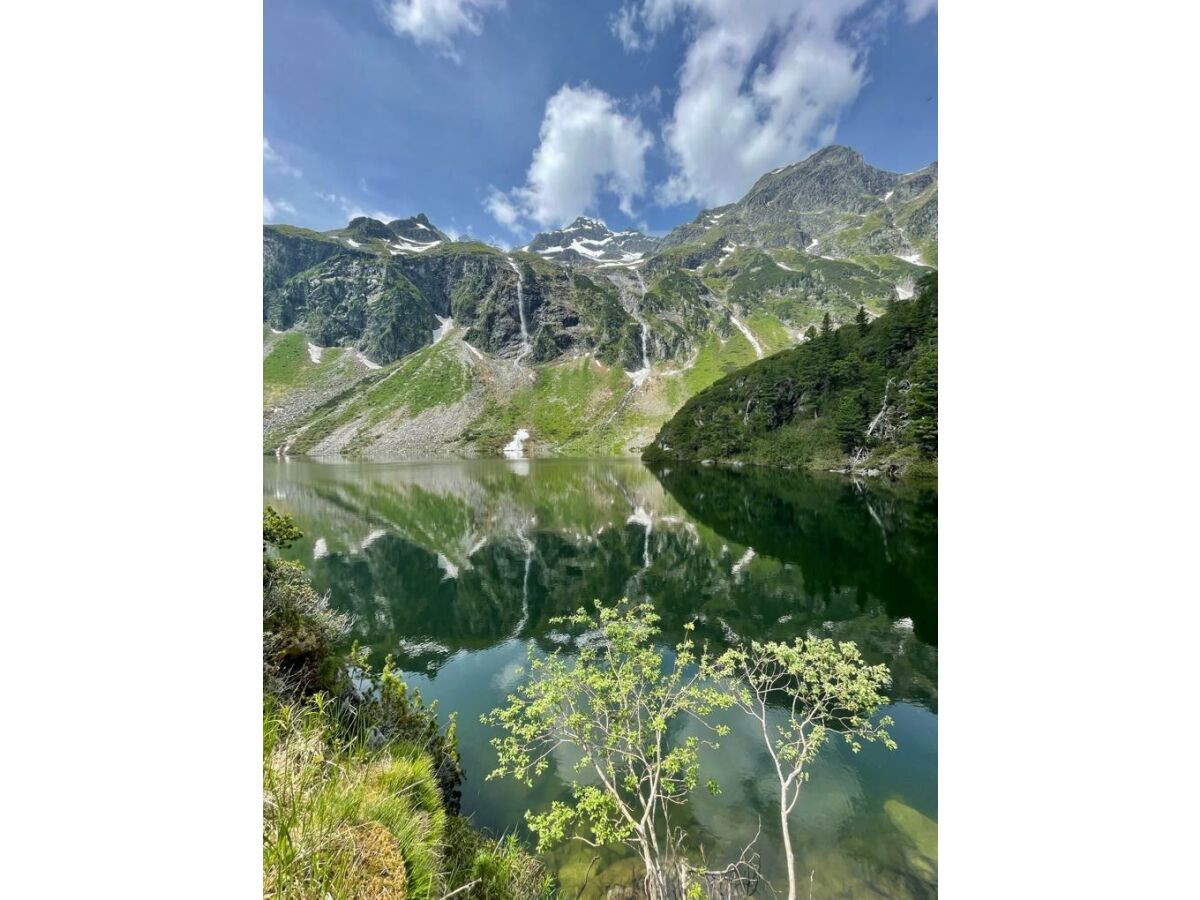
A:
[863,397]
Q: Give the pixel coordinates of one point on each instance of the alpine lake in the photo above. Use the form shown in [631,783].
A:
[456,568]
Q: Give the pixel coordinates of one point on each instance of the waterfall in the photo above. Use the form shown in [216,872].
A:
[528,348]
[882,409]
[640,376]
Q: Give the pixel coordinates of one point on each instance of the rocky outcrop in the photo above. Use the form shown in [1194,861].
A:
[418,229]
[288,251]
[355,299]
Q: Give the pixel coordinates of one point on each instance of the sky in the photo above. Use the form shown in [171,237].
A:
[502,118]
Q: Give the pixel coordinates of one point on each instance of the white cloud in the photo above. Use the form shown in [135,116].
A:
[587,147]
[916,10]
[762,85]
[272,208]
[438,22]
[624,26]
[503,209]
[272,158]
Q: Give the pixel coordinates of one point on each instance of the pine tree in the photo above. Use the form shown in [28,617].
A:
[861,319]
[850,421]
[923,402]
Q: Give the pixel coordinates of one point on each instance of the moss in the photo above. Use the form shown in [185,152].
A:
[918,828]
[376,870]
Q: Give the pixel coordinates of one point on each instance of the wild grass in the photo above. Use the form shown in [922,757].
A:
[343,820]
[288,366]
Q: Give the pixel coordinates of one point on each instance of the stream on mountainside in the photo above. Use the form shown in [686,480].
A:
[456,566]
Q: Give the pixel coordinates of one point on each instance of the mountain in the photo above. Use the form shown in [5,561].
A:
[862,398]
[587,241]
[831,205]
[386,338]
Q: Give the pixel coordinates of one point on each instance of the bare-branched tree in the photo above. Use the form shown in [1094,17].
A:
[612,707]
[799,694]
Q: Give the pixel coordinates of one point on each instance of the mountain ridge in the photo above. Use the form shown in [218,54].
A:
[588,352]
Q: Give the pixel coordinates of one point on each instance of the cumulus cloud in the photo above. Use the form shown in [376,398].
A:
[503,210]
[916,10]
[272,158]
[762,85]
[438,22]
[587,147]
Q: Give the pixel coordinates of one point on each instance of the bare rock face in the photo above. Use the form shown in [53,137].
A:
[354,299]
[834,200]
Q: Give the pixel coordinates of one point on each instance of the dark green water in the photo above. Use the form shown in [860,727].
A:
[456,567]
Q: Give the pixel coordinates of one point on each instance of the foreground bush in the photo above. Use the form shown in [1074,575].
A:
[344,819]
[300,631]
[360,781]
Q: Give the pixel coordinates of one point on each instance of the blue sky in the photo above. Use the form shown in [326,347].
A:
[499,118]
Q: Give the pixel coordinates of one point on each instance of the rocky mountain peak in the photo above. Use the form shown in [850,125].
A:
[418,230]
[366,228]
[588,240]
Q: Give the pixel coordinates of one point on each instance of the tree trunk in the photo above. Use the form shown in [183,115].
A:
[654,882]
[787,843]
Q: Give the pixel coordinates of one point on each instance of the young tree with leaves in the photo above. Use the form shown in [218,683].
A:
[799,694]
[615,704]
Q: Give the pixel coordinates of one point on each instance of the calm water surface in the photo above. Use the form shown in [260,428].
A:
[456,567]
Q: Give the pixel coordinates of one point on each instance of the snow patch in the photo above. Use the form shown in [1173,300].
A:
[353,243]
[904,292]
[515,449]
[448,567]
[888,196]
[444,329]
[366,362]
[914,258]
[740,325]
[478,355]
[314,352]
[320,550]
[404,245]
[744,561]
[371,538]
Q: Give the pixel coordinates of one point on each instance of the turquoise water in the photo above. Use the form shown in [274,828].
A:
[455,567]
